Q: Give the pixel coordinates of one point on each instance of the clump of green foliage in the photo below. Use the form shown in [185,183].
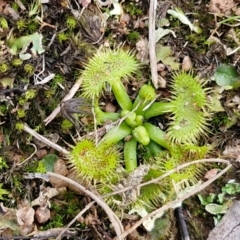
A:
[132,9]
[218,204]
[133,36]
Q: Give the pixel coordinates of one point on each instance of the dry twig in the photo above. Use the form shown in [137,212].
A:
[187,195]
[116,223]
[75,219]
[39,137]
[151,37]
[71,93]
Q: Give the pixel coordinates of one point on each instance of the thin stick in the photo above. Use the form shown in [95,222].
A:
[151,39]
[70,95]
[176,201]
[156,180]
[116,223]
[39,137]
[35,150]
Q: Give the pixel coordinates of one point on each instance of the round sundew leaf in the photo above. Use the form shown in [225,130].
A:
[107,66]
[189,104]
[94,163]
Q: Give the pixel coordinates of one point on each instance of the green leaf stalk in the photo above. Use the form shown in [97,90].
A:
[109,66]
[115,135]
[130,155]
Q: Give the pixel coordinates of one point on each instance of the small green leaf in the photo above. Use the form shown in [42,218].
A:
[170,61]
[161,32]
[205,200]
[231,188]
[7,82]
[237,187]
[49,161]
[2,191]
[227,75]
[216,208]
[164,54]
[221,198]
[178,13]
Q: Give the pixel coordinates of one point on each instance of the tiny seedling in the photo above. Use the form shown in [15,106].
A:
[218,204]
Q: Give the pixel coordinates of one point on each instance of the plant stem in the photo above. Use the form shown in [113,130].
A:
[121,95]
[145,96]
[155,149]
[115,135]
[102,117]
[158,108]
[157,135]
[130,155]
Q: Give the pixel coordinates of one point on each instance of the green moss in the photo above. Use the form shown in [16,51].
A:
[62,37]
[32,26]
[71,22]
[19,126]
[133,36]
[4,67]
[21,25]
[132,9]
[58,79]
[15,6]
[17,62]
[29,69]
[49,93]
[34,8]
[21,113]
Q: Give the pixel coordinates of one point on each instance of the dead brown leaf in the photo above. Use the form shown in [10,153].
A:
[233,152]
[25,217]
[142,48]
[41,153]
[42,215]
[187,63]
[211,173]
[11,12]
[222,6]
[8,220]
[84,3]
[60,167]
[2,4]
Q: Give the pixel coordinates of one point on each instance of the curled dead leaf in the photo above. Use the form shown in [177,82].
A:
[42,215]
[211,173]
[25,217]
[84,3]
[187,63]
[60,167]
